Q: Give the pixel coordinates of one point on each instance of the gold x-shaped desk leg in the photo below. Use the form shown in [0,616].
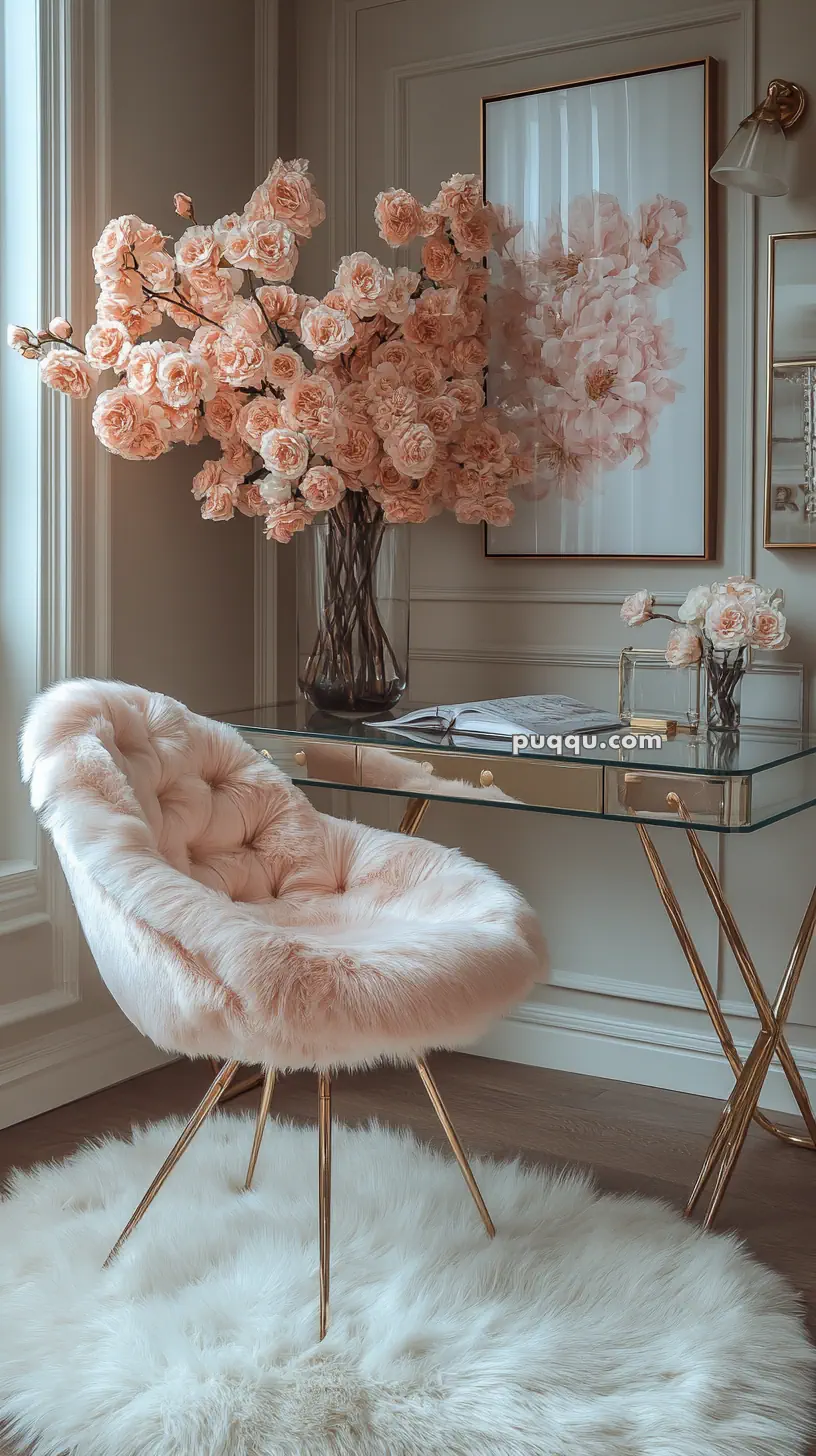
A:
[742,1106]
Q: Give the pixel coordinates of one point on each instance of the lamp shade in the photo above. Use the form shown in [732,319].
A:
[755,159]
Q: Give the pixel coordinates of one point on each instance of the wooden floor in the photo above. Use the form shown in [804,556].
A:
[636,1139]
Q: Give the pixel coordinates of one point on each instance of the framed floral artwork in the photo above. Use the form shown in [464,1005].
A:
[602,346]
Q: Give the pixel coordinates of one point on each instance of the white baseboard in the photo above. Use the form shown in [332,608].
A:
[61,1066]
[569,1040]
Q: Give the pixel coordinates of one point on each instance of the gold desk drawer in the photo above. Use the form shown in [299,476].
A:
[417,771]
[710,799]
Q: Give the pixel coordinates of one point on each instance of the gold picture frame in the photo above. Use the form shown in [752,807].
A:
[709,351]
[792,496]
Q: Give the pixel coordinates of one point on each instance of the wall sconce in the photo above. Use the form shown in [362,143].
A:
[757,159]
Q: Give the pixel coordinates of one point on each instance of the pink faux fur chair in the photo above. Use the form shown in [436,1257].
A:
[230,919]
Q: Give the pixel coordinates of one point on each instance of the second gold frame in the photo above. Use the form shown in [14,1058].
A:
[608,365]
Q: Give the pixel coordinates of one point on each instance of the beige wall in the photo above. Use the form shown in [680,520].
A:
[388,94]
[182,605]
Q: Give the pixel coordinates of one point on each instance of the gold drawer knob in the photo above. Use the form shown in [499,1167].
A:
[427,768]
[266,754]
[300,757]
[485,778]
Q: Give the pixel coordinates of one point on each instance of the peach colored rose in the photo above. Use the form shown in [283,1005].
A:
[396,352]
[356,447]
[147,442]
[726,624]
[364,281]
[412,449]
[468,356]
[222,413]
[439,259]
[284,367]
[213,297]
[469,396]
[483,444]
[286,452]
[309,406]
[257,418]
[407,508]
[396,305]
[117,415]
[277,299]
[198,254]
[352,403]
[322,487]
[460,196]
[398,216]
[326,331]
[683,647]
[284,520]
[423,376]
[244,313]
[239,360]
[249,500]
[288,194]
[68,372]
[273,250]
[768,629]
[59,327]
[158,271]
[138,319]
[183,380]
[430,320]
[441,415]
[498,510]
[389,478]
[237,457]
[638,608]
[233,237]
[107,345]
[178,426]
[112,251]
[203,344]
[183,205]
[219,502]
[473,235]
[143,237]
[125,288]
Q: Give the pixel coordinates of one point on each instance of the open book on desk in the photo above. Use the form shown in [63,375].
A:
[500,718]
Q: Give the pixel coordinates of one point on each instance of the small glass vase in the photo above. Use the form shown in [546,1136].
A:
[725,670]
[353,580]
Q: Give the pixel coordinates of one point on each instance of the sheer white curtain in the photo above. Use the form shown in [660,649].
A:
[20,273]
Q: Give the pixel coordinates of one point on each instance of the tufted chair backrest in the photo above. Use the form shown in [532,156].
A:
[177,840]
[216,810]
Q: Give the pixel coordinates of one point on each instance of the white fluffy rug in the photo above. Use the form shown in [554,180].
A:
[591,1326]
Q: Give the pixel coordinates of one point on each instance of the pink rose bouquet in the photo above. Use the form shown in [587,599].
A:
[376,388]
[718,624]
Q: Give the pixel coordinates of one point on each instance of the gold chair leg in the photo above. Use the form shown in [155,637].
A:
[247,1084]
[260,1124]
[205,1106]
[324,1195]
[458,1151]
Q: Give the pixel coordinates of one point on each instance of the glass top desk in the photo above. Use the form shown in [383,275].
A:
[728,783]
